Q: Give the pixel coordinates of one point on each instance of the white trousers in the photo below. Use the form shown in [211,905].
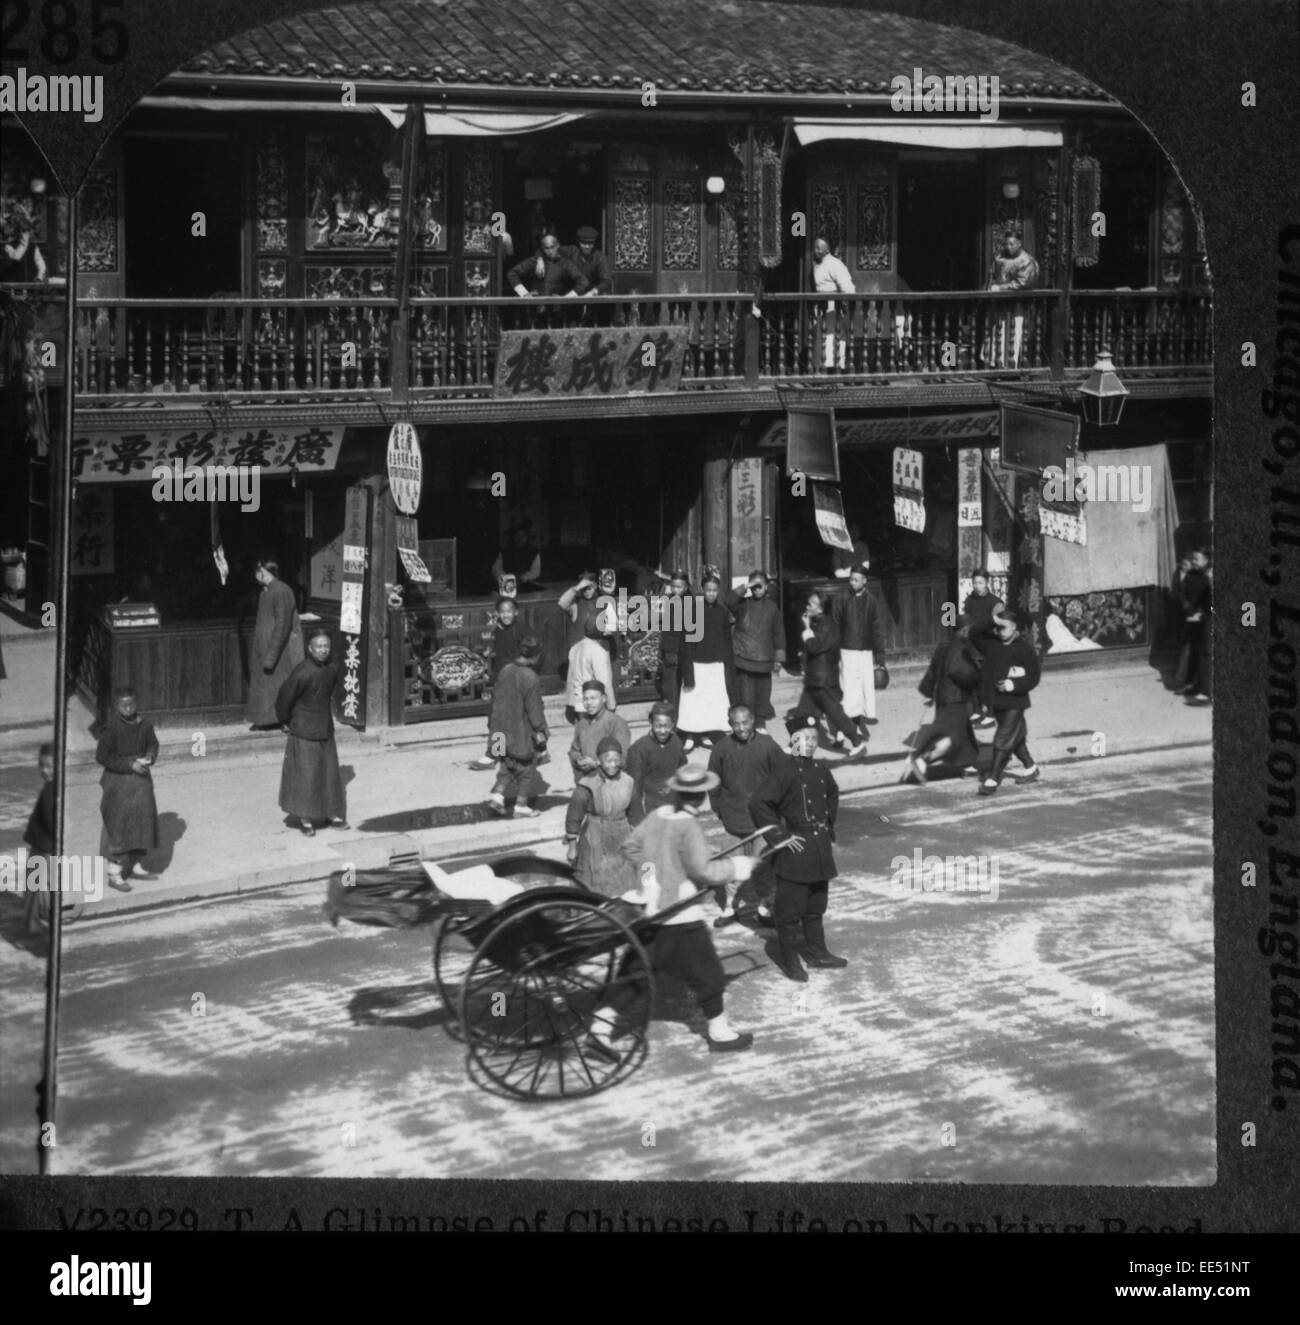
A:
[858,681]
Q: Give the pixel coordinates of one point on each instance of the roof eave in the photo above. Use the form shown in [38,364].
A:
[282,86]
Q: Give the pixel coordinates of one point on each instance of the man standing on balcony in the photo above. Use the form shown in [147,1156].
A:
[831,276]
[548,273]
[1013,269]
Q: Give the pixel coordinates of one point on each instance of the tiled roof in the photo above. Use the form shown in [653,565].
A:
[711,46]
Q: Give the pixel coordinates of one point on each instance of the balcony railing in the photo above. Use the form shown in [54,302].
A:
[261,348]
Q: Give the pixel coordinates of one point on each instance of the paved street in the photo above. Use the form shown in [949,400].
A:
[323,1052]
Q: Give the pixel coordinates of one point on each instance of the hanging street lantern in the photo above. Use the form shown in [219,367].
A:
[1103,394]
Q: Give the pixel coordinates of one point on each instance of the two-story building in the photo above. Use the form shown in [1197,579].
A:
[303,237]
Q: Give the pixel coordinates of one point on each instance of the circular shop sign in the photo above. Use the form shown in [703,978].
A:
[405,467]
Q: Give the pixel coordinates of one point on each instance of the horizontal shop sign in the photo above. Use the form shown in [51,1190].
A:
[118,457]
[586,361]
[970,426]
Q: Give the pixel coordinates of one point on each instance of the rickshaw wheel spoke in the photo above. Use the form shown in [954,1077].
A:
[551,988]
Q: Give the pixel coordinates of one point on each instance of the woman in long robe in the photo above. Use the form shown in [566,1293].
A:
[311,785]
[276,648]
[596,825]
[707,671]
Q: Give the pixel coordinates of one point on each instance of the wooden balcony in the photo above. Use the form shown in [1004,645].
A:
[259,350]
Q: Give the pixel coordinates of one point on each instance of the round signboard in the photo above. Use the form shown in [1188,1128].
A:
[405,468]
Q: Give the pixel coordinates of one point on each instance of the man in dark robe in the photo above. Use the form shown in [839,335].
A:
[311,785]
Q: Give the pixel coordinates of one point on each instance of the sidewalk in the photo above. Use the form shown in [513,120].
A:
[411,791]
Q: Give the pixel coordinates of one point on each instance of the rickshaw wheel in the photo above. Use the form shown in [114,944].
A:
[533,992]
[452,954]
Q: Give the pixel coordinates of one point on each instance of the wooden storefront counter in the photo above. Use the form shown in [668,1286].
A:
[191,671]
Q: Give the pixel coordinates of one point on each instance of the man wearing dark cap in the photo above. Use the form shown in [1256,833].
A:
[591,262]
[518,733]
[548,273]
[742,760]
[673,862]
[799,800]
[651,761]
[593,724]
[758,643]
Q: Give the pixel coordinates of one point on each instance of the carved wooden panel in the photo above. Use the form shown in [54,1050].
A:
[97,233]
[477,231]
[829,213]
[272,191]
[875,217]
[681,227]
[632,219]
[1047,219]
[272,276]
[731,219]
[355,283]
[352,190]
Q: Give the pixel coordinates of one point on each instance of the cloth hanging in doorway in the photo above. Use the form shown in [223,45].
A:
[1126,547]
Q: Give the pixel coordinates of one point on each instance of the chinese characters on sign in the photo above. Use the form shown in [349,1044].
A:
[408,549]
[118,457]
[586,361]
[830,516]
[92,533]
[405,468]
[909,504]
[747,517]
[352,619]
[970,504]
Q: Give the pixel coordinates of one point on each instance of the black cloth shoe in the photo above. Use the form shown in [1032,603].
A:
[742,1041]
[816,953]
[787,947]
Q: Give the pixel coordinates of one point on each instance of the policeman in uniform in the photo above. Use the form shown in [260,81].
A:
[800,797]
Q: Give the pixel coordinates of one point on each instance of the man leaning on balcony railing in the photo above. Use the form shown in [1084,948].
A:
[831,276]
[1013,269]
[550,272]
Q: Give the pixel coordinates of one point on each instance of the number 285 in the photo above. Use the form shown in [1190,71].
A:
[60,43]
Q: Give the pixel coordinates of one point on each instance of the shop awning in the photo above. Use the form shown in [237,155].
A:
[481,123]
[437,123]
[954,135]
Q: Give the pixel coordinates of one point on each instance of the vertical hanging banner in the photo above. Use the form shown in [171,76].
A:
[829,510]
[352,617]
[970,519]
[909,490]
[747,517]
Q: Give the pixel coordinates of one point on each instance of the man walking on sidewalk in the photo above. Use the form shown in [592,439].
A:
[1195,590]
[1011,670]
[862,641]
[742,762]
[800,797]
[518,732]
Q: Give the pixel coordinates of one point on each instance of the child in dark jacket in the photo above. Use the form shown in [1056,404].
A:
[1011,670]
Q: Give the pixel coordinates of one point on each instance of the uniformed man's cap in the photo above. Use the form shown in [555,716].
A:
[799,722]
[587,234]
